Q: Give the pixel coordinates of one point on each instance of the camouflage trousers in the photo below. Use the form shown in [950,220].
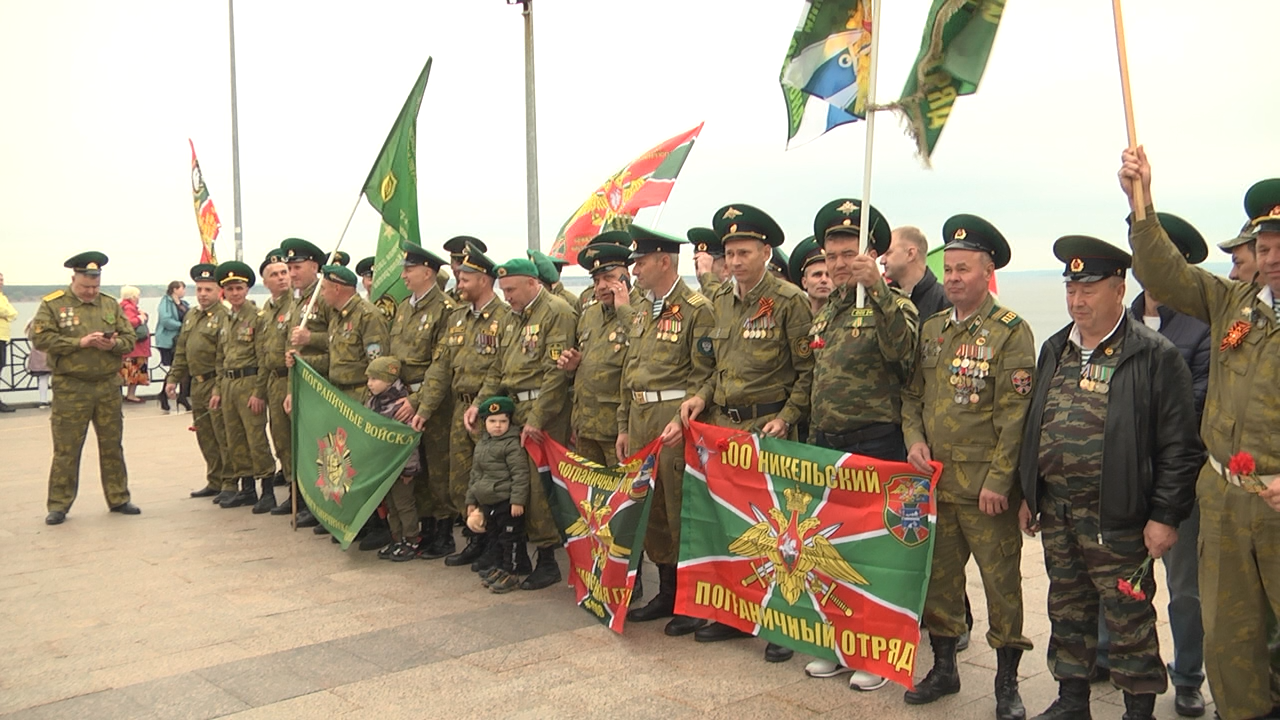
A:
[598,450]
[211,434]
[462,447]
[996,544]
[431,486]
[1239,587]
[76,403]
[540,524]
[281,430]
[1082,578]
[644,423]
[248,451]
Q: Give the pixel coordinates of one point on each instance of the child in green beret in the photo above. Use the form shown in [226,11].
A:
[499,489]
[385,391]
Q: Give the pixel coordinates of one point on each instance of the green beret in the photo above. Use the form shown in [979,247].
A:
[385,368]
[498,405]
[743,222]
[364,268]
[415,254]
[518,266]
[1247,235]
[970,232]
[274,256]
[613,237]
[705,240]
[87,263]
[475,261]
[204,272]
[341,258]
[339,274]
[560,264]
[299,250]
[1188,240]
[547,272]
[651,241]
[598,257]
[1262,205]
[778,262]
[804,255]
[456,246]
[1089,259]
[233,271]
[844,215]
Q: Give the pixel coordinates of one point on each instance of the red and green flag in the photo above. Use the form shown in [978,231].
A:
[206,216]
[644,182]
[345,456]
[603,513]
[958,35]
[820,551]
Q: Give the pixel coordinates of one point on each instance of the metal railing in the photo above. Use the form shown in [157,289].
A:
[15,378]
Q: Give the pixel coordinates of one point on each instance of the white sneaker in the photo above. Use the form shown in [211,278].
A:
[824,669]
[865,681]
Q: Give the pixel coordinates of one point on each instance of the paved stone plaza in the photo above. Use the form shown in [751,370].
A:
[191,611]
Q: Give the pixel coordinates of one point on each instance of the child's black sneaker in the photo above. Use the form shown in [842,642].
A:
[505,582]
[404,551]
[385,552]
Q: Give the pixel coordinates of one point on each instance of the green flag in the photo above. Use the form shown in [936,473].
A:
[388,287]
[345,456]
[958,35]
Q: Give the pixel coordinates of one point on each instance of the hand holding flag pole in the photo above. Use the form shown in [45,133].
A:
[1139,202]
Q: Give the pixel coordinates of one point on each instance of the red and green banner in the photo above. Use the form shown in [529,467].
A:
[206,216]
[820,551]
[345,456]
[603,513]
[644,182]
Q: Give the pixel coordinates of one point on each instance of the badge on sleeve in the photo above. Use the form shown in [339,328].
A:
[1022,382]
[373,350]
[803,349]
[705,346]
[554,350]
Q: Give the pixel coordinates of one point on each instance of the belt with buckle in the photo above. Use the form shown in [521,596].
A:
[242,372]
[742,413]
[866,433]
[466,398]
[527,395]
[642,397]
[1233,478]
[280,372]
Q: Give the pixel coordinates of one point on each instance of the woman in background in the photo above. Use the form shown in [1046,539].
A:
[7,315]
[38,367]
[134,370]
[173,308]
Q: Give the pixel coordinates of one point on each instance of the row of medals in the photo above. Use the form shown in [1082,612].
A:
[668,329]
[756,328]
[969,372]
[529,338]
[1096,378]
[67,317]
[618,337]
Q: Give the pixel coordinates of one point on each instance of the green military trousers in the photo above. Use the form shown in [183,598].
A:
[76,403]
[211,435]
[646,422]
[431,486]
[281,430]
[462,447]
[247,448]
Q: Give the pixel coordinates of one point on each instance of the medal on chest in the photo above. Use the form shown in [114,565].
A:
[529,339]
[859,319]
[424,322]
[282,320]
[757,326]
[969,371]
[670,324]
[1096,378]
[1235,335]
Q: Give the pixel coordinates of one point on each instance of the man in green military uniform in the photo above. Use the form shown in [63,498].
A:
[807,267]
[1243,249]
[764,365]
[241,390]
[708,259]
[863,356]
[85,335]
[195,357]
[458,367]
[341,258]
[309,339]
[1109,455]
[549,274]
[669,358]
[275,323]
[418,330]
[965,408]
[541,326]
[457,249]
[602,348]
[1239,524]
[357,332]
[364,271]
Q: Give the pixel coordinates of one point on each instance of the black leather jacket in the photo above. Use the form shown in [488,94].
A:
[1151,449]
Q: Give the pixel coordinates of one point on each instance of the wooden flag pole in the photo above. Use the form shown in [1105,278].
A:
[1139,201]
[311,303]
[863,224]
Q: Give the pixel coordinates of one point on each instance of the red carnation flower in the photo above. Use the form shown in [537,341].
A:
[817,343]
[1242,464]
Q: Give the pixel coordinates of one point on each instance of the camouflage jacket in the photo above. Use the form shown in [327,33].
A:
[968,398]
[316,351]
[238,348]
[63,319]
[276,322]
[463,358]
[597,384]
[357,336]
[416,332]
[196,351]
[531,343]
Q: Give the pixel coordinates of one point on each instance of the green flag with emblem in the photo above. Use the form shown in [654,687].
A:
[345,456]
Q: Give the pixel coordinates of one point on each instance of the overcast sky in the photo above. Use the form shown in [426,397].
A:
[100,98]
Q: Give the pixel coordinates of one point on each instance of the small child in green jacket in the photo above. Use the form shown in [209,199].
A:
[499,488]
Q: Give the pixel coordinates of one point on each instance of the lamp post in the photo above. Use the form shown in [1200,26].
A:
[530,125]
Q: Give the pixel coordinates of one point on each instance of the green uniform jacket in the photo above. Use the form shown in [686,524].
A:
[597,385]
[1242,408]
[196,351]
[865,358]
[710,283]
[531,343]
[275,322]
[316,351]
[417,330]
[761,345]
[461,362]
[575,302]
[976,442]
[63,319]
[238,348]
[499,470]
[357,336]
[683,360]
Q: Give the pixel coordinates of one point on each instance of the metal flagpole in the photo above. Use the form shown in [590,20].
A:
[530,125]
[864,224]
[235,134]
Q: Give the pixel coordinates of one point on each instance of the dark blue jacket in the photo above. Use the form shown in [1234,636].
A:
[1191,337]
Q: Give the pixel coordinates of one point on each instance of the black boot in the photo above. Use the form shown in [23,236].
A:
[223,496]
[1139,707]
[637,588]
[440,544]
[1072,702]
[943,679]
[164,401]
[489,557]
[469,554]
[546,574]
[247,495]
[267,502]
[1008,702]
[305,518]
[377,536]
[286,507]
[520,558]
[664,603]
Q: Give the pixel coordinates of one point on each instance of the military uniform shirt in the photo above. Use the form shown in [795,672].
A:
[862,358]
[63,319]
[196,350]
[463,358]
[575,302]
[357,336]
[417,330]
[968,399]
[275,323]
[531,343]
[603,340]
[316,351]
[238,349]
